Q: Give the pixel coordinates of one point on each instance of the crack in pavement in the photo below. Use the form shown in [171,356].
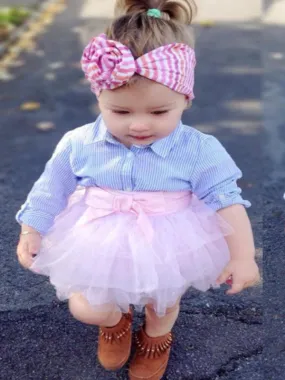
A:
[250,317]
[234,363]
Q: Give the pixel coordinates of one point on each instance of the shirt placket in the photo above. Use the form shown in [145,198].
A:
[127,182]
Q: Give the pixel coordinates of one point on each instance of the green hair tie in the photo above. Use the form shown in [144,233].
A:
[154,13]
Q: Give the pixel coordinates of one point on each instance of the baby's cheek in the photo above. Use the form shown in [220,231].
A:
[112,122]
[119,127]
[166,129]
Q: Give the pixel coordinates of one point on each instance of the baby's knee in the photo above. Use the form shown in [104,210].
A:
[151,308]
[81,310]
[173,309]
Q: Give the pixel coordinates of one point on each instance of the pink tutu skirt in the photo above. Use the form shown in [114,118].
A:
[139,248]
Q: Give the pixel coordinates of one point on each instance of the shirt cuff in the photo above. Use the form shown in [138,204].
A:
[220,201]
[40,221]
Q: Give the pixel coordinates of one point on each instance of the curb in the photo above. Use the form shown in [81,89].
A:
[16,34]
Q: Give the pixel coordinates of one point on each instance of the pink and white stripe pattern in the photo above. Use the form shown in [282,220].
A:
[108,64]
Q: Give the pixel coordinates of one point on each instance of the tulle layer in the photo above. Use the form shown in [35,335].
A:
[133,248]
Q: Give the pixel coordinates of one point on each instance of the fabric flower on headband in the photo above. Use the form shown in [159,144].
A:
[108,64]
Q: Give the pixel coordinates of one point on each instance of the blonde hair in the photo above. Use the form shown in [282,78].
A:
[142,33]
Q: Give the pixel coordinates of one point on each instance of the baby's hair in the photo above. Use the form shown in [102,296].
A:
[142,33]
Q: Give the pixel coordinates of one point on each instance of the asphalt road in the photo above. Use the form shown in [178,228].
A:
[217,337]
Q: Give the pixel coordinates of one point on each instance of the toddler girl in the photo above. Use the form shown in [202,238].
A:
[135,208]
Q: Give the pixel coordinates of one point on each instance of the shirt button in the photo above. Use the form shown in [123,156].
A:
[130,155]
[128,189]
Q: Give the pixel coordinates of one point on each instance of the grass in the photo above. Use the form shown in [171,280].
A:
[11,17]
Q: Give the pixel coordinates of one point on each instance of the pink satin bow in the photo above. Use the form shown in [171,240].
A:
[103,202]
[109,64]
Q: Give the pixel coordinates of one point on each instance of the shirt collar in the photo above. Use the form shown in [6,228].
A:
[100,131]
[161,147]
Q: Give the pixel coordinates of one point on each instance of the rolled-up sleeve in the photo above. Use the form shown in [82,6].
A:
[50,193]
[215,176]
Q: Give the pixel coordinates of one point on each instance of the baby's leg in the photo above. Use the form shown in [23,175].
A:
[159,326]
[153,344]
[106,315]
[115,332]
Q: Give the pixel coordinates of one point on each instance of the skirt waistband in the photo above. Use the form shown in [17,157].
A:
[103,202]
[152,203]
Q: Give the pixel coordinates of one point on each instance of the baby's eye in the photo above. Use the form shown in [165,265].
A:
[121,112]
[159,112]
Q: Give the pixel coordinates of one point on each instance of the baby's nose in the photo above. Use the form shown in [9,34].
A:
[139,127]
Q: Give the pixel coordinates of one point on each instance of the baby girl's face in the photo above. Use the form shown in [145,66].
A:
[142,112]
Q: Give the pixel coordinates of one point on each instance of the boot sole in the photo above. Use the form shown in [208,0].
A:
[156,376]
[119,366]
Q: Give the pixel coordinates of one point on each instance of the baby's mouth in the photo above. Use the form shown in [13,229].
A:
[141,137]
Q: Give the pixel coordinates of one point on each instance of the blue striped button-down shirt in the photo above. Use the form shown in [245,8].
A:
[89,156]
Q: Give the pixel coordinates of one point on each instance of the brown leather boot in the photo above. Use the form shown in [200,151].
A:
[114,344]
[151,357]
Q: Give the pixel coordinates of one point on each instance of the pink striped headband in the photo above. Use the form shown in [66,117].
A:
[108,64]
